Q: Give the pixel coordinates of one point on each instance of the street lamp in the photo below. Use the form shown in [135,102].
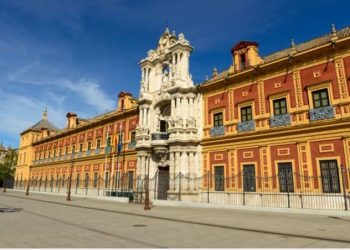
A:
[147,206]
[27,191]
[70,181]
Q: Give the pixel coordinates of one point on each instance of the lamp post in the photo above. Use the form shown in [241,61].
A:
[70,181]
[27,191]
[147,206]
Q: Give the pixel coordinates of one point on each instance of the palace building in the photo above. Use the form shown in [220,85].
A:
[268,131]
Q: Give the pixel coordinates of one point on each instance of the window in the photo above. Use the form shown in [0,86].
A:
[95,179]
[120,139]
[57,181]
[280,106]
[106,179]
[329,175]
[163,126]
[218,121]
[78,180]
[243,61]
[63,180]
[86,184]
[117,180]
[108,141]
[54,153]
[285,177]
[219,179]
[89,145]
[320,98]
[133,136]
[73,149]
[98,143]
[60,151]
[249,178]
[49,154]
[44,155]
[80,147]
[67,150]
[51,181]
[246,114]
[131,180]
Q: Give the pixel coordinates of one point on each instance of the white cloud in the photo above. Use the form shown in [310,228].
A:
[20,112]
[90,92]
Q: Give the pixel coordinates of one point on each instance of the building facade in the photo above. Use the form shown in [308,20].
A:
[265,131]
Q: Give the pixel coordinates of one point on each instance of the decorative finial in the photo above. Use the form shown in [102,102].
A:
[167,30]
[45,113]
[215,72]
[293,43]
[293,48]
[333,35]
[174,34]
[334,30]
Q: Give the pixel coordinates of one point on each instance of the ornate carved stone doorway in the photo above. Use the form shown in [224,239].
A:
[163,182]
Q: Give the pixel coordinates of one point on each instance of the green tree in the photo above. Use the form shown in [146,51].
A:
[7,166]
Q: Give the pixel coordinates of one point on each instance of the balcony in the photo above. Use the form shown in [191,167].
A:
[160,136]
[321,113]
[72,156]
[280,120]
[97,151]
[132,145]
[108,150]
[80,154]
[87,152]
[217,131]
[246,126]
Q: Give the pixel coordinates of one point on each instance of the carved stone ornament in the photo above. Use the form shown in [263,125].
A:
[191,122]
[161,156]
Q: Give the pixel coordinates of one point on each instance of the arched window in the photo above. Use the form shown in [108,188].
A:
[165,69]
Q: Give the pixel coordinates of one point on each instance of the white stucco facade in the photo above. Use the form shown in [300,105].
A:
[169,129]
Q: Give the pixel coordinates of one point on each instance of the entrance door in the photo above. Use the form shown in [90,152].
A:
[163,182]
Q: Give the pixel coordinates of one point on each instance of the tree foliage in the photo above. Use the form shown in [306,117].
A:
[8,164]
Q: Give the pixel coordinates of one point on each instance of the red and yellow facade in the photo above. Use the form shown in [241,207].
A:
[89,148]
[241,128]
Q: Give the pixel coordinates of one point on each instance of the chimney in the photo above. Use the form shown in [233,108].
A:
[71,120]
[245,54]
[125,101]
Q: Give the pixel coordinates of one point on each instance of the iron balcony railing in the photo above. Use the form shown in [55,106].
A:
[131,144]
[108,150]
[217,131]
[321,113]
[97,151]
[280,120]
[160,136]
[246,126]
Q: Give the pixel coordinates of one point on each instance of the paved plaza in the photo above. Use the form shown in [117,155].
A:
[50,221]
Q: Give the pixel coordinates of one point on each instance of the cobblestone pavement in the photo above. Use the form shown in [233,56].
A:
[50,221]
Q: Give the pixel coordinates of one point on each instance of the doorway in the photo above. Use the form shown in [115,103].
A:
[163,182]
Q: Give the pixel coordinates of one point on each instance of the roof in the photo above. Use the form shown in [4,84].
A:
[243,44]
[343,33]
[43,123]
[307,45]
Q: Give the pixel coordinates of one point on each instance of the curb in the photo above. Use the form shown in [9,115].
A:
[167,203]
[106,198]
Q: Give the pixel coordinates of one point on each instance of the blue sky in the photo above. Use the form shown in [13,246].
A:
[77,55]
